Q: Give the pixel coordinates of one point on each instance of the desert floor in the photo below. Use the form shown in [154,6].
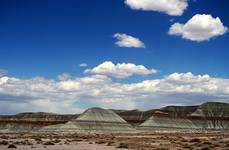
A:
[157,141]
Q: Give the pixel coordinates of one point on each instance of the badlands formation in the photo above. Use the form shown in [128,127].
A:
[202,127]
[206,117]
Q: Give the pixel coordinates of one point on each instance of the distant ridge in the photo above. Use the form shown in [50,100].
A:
[212,109]
[33,116]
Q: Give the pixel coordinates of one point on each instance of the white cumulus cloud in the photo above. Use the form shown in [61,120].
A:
[120,70]
[200,27]
[76,94]
[125,40]
[170,7]
[64,76]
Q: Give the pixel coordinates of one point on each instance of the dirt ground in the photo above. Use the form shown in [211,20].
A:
[140,141]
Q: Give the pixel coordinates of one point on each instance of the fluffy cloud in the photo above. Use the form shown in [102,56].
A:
[170,7]
[64,77]
[122,70]
[199,28]
[76,94]
[125,40]
[83,65]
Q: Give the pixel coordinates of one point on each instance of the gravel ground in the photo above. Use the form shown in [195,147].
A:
[137,141]
[72,146]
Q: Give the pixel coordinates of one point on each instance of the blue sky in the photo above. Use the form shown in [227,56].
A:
[46,38]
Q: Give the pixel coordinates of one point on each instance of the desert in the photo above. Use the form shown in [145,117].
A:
[200,127]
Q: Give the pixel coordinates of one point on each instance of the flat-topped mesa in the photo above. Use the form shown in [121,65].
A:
[212,110]
[211,115]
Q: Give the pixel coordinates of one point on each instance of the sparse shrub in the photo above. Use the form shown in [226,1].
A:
[39,142]
[123,145]
[207,143]
[69,140]
[48,143]
[38,139]
[26,142]
[221,142]
[100,142]
[57,141]
[195,140]
[78,140]
[187,146]
[184,140]
[4,142]
[205,148]
[216,145]
[66,143]
[5,137]
[110,143]
[12,146]
[161,148]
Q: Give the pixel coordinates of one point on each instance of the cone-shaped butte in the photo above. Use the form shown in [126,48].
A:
[94,120]
[161,122]
[102,120]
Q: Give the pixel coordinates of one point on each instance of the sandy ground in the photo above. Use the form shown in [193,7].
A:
[72,146]
[140,141]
